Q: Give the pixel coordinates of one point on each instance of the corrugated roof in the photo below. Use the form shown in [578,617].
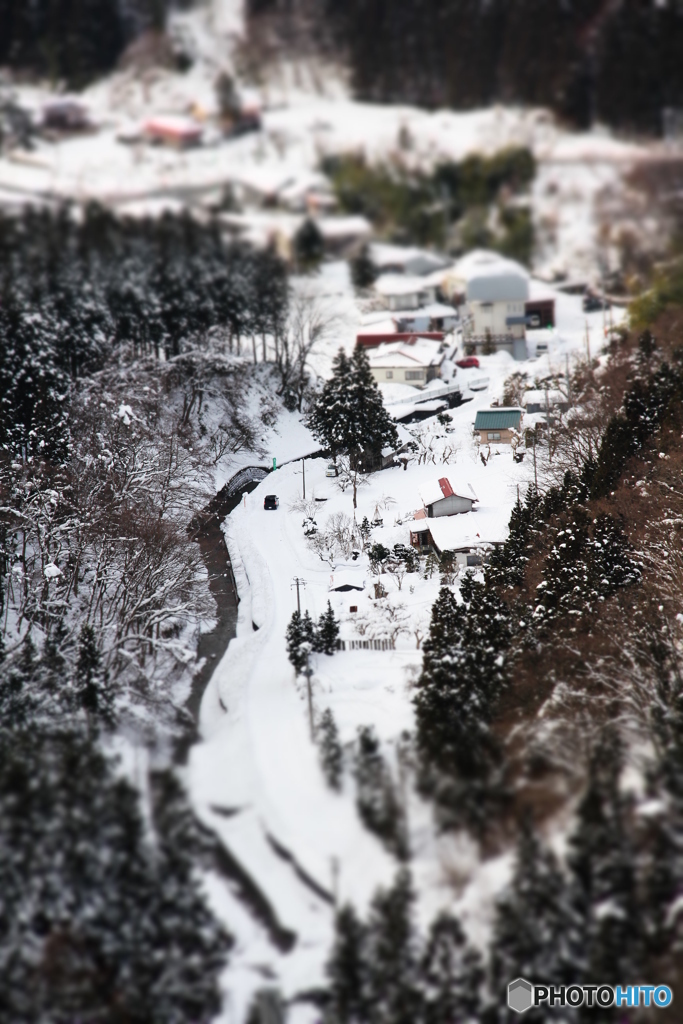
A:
[497,419]
[437,490]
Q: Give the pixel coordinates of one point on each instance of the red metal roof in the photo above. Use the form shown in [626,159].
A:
[446,488]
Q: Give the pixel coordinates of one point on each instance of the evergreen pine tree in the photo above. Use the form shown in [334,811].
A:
[347,970]
[295,638]
[392,956]
[451,974]
[331,754]
[363,270]
[328,631]
[309,245]
[376,797]
[97,921]
[349,417]
[365,531]
[531,926]
[302,638]
[462,673]
[664,863]
[608,929]
[94,695]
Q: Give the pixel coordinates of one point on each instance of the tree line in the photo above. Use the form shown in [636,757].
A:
[588,60]
[56,39]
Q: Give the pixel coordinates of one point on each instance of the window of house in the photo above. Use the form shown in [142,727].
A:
[493,435]
[414,374]
[390,374]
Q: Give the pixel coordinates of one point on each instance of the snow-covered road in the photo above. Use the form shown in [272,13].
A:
[256,778]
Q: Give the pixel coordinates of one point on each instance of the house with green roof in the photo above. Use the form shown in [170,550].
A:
[497,425]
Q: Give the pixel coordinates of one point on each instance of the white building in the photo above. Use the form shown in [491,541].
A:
[404,291]
[407,362]
[413,303]
[496,308]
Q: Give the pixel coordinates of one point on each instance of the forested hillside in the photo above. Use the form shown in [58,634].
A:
[615,62]
[549,714]
[72,41]
[122,387]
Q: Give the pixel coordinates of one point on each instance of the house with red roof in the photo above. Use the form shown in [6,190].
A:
[440,499]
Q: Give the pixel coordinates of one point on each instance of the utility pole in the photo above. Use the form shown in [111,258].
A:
[296,582]
[303,470]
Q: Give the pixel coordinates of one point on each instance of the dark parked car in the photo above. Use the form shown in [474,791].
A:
[593,303]
[468,363]
[271,502]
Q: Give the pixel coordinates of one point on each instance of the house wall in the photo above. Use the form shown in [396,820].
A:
[505,436]
[403,375]
[492,317]
[403,301]
[449,507]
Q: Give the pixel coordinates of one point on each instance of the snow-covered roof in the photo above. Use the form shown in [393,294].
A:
[412,259]
[385,325]
[421,352]
[538,397]
[480,261]
[399,284]
[475,529]
[436,490]
[344,579]
[304,183]
[343,227]
[435,309]
[501,282]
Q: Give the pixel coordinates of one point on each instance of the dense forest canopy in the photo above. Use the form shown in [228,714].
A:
[73,39]
[589,60]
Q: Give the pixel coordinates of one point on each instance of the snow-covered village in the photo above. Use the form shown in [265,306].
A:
[341,577]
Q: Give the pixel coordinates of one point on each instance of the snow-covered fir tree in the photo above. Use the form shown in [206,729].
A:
[608,928]
[376,796]
[99,921]
[462,674]
[327,632]
[332,756]
[347,971]
[331,753]
[301,639]
[451,974]
[393,956]
[532,925]
[349,417]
